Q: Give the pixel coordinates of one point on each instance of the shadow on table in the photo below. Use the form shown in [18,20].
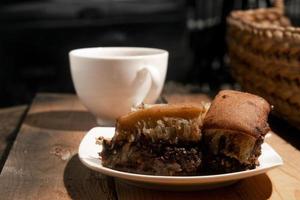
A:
[254,188]
[83,183]
[62,120]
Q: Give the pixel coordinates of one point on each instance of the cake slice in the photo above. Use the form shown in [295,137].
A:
[233,131]
[160,140]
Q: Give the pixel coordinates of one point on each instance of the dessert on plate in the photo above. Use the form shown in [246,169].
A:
[233,131]
[161,140]
[189,139]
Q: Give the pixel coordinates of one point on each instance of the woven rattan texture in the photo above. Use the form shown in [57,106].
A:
[264,52]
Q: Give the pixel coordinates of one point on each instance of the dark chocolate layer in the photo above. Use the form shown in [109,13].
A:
[157,158]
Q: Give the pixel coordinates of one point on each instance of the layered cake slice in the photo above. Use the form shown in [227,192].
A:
[233,131]
[159,140]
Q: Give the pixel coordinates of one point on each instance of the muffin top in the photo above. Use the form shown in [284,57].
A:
[238,111]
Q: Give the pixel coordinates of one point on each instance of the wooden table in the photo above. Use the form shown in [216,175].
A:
[42,162]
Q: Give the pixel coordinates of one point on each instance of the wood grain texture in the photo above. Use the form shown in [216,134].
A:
[246,189]
[286,179]
[43,162]
[10,119]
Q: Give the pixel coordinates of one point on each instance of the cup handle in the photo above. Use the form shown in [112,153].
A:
[151,76]
[155,80]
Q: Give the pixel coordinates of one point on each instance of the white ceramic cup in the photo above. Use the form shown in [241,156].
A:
[109,81]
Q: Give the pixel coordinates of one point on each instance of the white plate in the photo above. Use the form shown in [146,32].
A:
[88,154]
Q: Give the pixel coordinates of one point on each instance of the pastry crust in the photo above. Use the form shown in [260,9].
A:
[238,111]
[160,111]
[169,122]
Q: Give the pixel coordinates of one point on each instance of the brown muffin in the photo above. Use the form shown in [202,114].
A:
[233,131]
[161,140]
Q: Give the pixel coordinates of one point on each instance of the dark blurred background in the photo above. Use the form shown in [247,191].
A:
[36,36]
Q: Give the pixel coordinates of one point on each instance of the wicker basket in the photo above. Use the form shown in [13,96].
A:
[264,52]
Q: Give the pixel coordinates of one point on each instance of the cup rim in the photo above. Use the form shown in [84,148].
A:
[82,53]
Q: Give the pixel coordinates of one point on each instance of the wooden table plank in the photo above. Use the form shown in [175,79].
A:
[286,179]
[43,162]
[10,119]
[245,189]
